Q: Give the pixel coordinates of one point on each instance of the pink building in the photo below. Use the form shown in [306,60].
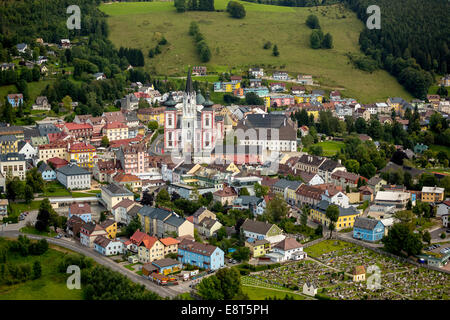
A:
[134,159]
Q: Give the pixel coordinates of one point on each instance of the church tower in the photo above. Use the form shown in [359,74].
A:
[189,125]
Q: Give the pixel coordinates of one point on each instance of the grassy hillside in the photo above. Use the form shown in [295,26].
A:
[239,43]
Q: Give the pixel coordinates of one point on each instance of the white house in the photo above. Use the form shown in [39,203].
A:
[287,249]
[74,177]
[310,288]
[445,220]
[443,208]
[27,150]
[339,198]
[108,247]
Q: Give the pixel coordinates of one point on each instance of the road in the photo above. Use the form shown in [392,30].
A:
[88,252]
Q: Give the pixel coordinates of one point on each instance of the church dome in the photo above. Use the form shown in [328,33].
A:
[208,103]
[170,102]
[200,99]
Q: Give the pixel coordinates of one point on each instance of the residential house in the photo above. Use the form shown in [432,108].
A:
[89,232]
[15,99]
[78,130]
[327,168]
[4,207]
[170,245]
[150,249]
[280,75]
[256,72]
[57,149]
[309,195]
[57,163]
[201,255]
[82,210]
[129,180]
[167,266]
[162,222]
[258,248]
[74,177]
[226,196]
[443,208]
[287,249]
[9,144]
[344,179]
[305,79]
[108,247]
[199,70]
[84,154]
[392,198]
[113,193]
[310,163]
[13,165]
[368,229]
[135,159]
[311,179]
[105,169]
[125,211]
[115,131]
[432,194]
[375,183]
[41,104]
[255,204]
[110,226]
[27,150]
[208,227]
[74,224]
[259,230]
[346,218]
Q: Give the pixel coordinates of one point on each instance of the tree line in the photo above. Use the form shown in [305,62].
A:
[194,5]
[202,47]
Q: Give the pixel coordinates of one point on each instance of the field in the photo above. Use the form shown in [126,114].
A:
[330,148]
[51,286]
[330,266]
[238,44]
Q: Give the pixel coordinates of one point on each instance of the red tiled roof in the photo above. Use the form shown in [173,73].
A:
[80,208]
[114,125]
[125,203]
[124,177]
[77,126]
[81,146]
[169,241]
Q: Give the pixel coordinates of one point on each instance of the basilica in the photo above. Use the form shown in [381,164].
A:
[191,126]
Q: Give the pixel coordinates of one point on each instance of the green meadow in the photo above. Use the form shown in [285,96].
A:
[238,43]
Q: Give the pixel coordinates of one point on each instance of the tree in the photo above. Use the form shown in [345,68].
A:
[352,165]
[133,226]
[252,98]
[260,190]
[105,142]
[313,22]
[221,234]
[45,214]
[401,239]
[241,254]
[426,237]
[304,215]
[244,192]
[276,209]
[102,216]
[37,270]
[275,51]
[327,42]
[332,213]
[230,282]
[315,39]
[236,10]
[163,196]
[210,288]
[153,125]
[29,195]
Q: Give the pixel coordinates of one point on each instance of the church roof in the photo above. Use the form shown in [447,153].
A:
[189,86]
[170,102]
[208,102]
[200,99]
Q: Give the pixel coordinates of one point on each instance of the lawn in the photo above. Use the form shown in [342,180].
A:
[55,189]
[261,294]
[32,230]
[51,286]
[327,246]
[238,44]
[330,148]
[18,208]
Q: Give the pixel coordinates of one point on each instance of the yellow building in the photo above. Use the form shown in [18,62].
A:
[314,112]
[8,144]
[151,249]
[432,194]
[258,248]
[115,131]
[267,101]
[84,154]
[56,149]
[346,218]
[110,227]
[152,114]
[359,274]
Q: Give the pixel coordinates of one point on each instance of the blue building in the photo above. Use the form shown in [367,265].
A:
[368,229]
[47,172]
[202,255]
[15,99]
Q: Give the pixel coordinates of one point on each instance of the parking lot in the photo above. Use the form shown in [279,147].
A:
[442,248]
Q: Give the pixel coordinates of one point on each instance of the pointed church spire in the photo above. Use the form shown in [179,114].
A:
[189,86]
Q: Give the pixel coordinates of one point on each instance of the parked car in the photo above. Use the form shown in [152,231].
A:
[448,230]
